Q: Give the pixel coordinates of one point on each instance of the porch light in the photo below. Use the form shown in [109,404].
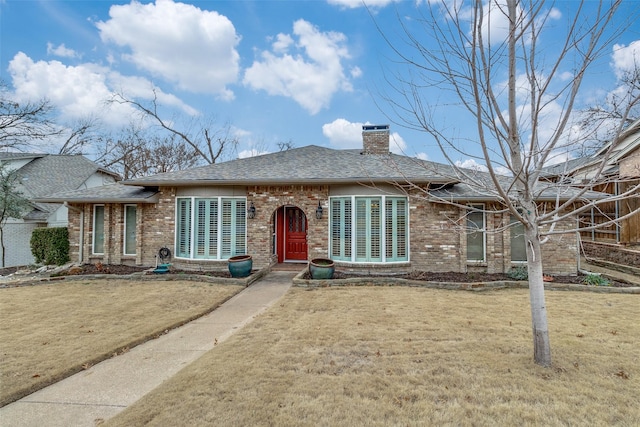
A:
[251,212]
[319,211]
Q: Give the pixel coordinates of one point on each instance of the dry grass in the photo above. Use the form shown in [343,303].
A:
[407,356]
[51,331]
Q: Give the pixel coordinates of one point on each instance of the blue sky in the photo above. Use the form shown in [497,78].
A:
[309,72]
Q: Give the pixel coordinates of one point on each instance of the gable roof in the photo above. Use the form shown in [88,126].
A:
[40,175]
[307,165]
[626,143]
[53,173]
[111,193]
[4,155]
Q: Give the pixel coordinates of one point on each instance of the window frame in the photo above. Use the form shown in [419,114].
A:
[345,231]
[512,226]
[234,232]
[95,229]
[125,229]
[477,209]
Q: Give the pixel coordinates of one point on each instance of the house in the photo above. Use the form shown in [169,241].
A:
[41,175]
[614,169]
[303,203]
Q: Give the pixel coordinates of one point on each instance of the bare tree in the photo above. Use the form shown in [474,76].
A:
[136,154]
[286,145]
[494,60]
[81,135]
[599,123]
[210,143]
[13,204]
[22,125]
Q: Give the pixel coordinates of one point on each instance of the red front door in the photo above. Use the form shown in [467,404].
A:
[295,234]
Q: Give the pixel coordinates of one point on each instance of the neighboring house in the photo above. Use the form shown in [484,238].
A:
[40,175]
[618,170]
[304,203]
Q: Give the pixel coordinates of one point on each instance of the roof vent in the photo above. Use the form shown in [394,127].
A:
[375,139]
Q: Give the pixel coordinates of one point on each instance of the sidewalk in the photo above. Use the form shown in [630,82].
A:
[107,388]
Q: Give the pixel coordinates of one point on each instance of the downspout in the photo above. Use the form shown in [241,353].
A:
[81,240]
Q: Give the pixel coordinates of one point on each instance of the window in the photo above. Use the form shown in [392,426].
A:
[475,234]
[396,228]
[369,229]
[341,229]
[98,229]
[518,246]
[129,229]
[210,228]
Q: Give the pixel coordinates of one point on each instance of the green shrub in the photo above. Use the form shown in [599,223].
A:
[596,280]
[519,273]
[50,245]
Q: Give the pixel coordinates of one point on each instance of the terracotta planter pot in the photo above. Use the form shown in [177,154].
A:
[321,268]
[240,265]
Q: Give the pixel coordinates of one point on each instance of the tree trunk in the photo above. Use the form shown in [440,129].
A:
[2,244]
[541,345]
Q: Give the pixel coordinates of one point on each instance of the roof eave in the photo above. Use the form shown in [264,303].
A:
[107,199]
[250,182]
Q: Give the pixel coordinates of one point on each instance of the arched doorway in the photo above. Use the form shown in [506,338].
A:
[290,234]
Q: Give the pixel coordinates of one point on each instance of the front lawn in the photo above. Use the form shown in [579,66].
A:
[382,356]
[51,331]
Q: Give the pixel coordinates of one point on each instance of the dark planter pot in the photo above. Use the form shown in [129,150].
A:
[240,265]
[321,268]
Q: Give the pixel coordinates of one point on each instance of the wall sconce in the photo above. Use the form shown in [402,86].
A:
[319,211]
[251,212]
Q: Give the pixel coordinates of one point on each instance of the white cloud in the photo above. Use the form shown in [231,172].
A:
[251,153]
[397,145]
[625,58]
[61,51]
[309,70]
[344,134]
[80,91]
[282,43]
[555,13]
[352,4]
[178,42]
[566,76]
[495,23]
[472,164]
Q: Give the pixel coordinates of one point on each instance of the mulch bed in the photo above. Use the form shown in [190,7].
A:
[453,277]
[90,269]
[448,277]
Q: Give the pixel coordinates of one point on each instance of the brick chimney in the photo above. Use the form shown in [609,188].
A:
[375,139]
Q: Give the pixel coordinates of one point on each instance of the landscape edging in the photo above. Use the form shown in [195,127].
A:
[246,281]
[299,281]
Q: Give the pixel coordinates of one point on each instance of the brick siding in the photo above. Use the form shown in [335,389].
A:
[437,236]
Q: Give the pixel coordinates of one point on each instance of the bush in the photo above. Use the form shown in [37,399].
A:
[519,273]
[596,280]
[50,245]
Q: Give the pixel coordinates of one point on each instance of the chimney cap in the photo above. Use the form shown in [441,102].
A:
[374,127]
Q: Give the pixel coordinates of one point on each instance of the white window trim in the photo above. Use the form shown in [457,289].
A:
[383,236]
[124,231]
[192,248]
[93,231]
[478,207]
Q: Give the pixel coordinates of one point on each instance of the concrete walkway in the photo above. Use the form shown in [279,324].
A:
[107,388]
